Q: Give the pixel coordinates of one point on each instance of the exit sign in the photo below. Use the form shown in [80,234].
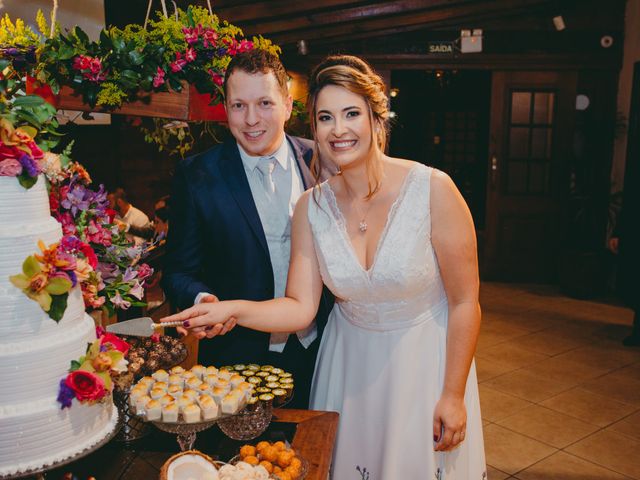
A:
[441,48]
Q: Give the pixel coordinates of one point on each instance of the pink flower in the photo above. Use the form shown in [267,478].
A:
[81,62]
[190,55]
[116,342]
[144,271]
[86,385]
[159,78]
[10,167]
[120,302]
[67,222]
[9,151]
[210,37]
[216,78]
[178,64]
[245,46]
[95,65]
[36,153]
[232,46]
[191,35]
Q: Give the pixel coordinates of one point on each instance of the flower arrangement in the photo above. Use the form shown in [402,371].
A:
[48,277]
[119,277]
[90,377]
[194,46]
[21,121]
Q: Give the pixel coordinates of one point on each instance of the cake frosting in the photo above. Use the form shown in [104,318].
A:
[36,351]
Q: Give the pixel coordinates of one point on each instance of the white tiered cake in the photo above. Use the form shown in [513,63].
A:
[35,351]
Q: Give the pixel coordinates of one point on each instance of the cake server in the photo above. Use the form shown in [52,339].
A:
[139,327]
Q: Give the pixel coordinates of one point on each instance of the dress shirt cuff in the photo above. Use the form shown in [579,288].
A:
[200,296]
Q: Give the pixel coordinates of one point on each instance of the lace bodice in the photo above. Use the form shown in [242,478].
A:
[402,286]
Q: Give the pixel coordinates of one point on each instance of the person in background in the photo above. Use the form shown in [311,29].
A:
[130,219]
[230,218]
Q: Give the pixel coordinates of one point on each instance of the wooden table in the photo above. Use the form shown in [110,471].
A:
[312,434]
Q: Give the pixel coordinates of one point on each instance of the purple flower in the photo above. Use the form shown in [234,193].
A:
[137,290]
[120,302]
[108,271]
[75,200]
[65,394]
[129,275]
[29,165]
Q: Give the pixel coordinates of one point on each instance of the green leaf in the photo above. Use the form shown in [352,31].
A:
[66,52]
[4,63]
[75,365]
[105,41]
[79,33]
[58,306]
[28,101]
[31,266]
[58,286]
[26,181]
[118,43]
[136,57]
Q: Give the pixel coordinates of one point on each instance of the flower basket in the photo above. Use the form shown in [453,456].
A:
[188,105]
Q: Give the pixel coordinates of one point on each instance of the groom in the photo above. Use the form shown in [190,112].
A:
[230,220]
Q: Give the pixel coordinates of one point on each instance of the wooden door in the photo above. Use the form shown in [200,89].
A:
[531,130]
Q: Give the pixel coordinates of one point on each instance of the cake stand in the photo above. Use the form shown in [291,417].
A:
[39,473]
[186,432]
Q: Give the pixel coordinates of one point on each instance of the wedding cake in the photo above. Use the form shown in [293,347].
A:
[36,351]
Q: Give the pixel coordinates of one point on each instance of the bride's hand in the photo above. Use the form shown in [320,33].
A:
[449,423]
[205,319]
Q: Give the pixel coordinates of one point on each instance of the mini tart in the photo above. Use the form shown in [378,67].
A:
[239,367]
[267,368]
[277,371]
[254,380]
[253,367]
[248,373]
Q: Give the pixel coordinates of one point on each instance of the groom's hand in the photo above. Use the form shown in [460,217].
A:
[211,330]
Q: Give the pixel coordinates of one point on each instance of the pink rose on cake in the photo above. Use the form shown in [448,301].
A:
[87,386]
[10,167]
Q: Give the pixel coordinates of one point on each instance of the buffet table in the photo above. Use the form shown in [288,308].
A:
[311,433]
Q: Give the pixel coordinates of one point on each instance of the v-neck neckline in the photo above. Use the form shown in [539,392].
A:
[391,214]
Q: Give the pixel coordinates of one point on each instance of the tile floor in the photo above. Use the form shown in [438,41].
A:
[560,395]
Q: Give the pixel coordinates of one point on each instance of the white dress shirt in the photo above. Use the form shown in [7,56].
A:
[275,210]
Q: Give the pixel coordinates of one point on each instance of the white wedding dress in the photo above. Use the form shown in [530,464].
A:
[382,358]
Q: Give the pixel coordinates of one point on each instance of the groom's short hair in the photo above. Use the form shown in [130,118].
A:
[258,61]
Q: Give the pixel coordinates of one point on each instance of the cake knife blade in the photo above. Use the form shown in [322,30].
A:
[138,327]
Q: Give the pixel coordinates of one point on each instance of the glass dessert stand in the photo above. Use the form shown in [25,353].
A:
[39,473]
[248,423]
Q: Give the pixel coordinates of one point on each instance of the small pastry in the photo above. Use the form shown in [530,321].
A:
[183,402]
[286,380]
[272,378]
[267,368]
[136,392]
[210,380]
[167,399]
[236,380]
[253,367]
[199,370]
[160,375]
[211,371]
[246,388]
[218,393]
[239,367]
[157,393]
[170,413]
[141,402]
[248,373]
[254,380]
[286,375]
[204,389]
[277,371]
[208,406]
[192,394]
[222,383]
[280,395]
[224,374]
[177,370]
[162,385]
[262,374]
[193,382]
[175,391]
[153,410]
[231,402]
[176,380]
[148,381]
[272,385]
[191,413]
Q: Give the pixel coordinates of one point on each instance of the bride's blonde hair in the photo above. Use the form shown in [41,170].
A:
[358,77]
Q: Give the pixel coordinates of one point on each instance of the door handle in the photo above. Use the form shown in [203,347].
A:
[494,171]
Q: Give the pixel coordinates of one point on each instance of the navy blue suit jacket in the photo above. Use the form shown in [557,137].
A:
[216,244]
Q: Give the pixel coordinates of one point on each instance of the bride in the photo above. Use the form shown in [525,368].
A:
[394,242]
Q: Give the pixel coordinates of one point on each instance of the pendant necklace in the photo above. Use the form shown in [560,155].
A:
[362,225]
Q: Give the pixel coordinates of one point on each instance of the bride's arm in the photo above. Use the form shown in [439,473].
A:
[454,241]
[293,312]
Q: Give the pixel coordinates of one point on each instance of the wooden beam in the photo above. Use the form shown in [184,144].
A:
[423,18]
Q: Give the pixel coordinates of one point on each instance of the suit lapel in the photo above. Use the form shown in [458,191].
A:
[233,171]
[303,159]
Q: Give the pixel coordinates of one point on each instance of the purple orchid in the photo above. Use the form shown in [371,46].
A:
[120,302]
[75,200]
[137,290]
[65,394]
